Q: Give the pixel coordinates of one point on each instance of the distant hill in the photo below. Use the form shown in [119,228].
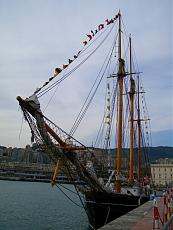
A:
[35,155]
[160,152]
[154,153]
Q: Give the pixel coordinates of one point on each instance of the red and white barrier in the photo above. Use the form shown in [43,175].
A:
[156,215]
[169,205]
[165,208]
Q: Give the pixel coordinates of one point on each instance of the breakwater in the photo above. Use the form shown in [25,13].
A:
[17,171]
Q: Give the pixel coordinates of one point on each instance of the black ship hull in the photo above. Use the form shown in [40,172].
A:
[103,207]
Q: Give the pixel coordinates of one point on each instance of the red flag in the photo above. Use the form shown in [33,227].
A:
[65,66]
[107,22]
[101,26]
[90,36]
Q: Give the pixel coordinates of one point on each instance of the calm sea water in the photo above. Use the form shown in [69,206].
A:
[38,206]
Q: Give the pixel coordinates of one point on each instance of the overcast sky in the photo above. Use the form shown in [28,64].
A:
[39,35]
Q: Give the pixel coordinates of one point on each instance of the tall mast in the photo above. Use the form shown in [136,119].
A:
[120,76]
[132,91]
[139,135]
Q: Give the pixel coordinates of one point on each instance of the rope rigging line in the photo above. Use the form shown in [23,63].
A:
[115,94]
[64,131]
[112,114]
[144,148]
[21,126]
[76,188]
[134,61]
[126,115]
[145,114]
[83,206]
[86,108]
[111,111]
[68,189]
[68,197]
[145,153]
[104,114]
[65,76]
[83,173]
[72,138]
[107,116]
[102,125]
[90,98]
[41,93]
[50,99]
[91,43]
[40,141]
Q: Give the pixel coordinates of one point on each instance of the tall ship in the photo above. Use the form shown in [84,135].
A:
[111,176]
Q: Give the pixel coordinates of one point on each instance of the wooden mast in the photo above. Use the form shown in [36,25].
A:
[139,133]
[120,76]
[132,91]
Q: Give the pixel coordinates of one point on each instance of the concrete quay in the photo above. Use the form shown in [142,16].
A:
[141,218]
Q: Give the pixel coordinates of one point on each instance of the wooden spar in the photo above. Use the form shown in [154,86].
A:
[139,133]
[120,75]
[57,169]
[131,177]
[63,145]
[33,111]
[54,135]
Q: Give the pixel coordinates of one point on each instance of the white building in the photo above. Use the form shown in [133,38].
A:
[162,172]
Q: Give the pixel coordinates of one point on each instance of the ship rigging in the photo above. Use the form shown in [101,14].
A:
[123,110]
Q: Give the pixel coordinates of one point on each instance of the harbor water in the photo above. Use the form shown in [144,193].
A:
[38,206]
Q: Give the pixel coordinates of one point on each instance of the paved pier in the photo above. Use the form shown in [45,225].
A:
[140,218]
